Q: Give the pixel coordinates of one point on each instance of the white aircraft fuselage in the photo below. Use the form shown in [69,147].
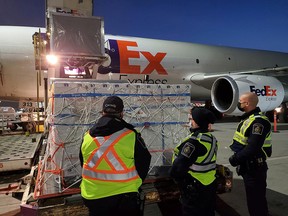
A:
[141,60]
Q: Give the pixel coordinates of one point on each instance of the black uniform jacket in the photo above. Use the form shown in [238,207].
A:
[256,134]
[108,125]
[180,167]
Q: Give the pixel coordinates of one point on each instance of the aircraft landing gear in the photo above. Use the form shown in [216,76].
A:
[283,115]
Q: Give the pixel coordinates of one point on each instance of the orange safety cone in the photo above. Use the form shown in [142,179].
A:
[275,122]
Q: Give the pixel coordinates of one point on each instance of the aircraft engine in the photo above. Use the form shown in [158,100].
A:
[226,91]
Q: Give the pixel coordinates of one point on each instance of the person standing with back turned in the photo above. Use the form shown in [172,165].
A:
[115,162]
[194,166]
[251,146]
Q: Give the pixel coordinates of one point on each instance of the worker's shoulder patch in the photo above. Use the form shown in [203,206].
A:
[257,129]
[187,149]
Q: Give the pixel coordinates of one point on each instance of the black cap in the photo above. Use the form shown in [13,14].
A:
[113,104]
[203,117]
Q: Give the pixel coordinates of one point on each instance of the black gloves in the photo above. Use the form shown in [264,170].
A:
[233,160]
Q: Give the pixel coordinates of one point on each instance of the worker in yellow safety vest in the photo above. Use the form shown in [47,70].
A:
[194,166]
[115,162]
[251,146]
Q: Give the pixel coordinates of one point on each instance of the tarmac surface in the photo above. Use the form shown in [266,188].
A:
[228,204]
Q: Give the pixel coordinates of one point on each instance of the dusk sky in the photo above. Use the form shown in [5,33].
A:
[259,24]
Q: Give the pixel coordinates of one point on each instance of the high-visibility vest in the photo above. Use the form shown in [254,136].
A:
[108,165]
[204,168]
[239,136]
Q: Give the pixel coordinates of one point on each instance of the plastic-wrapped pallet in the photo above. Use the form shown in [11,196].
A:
[157,111]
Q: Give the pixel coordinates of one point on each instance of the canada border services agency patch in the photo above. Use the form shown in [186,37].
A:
[257,129]
[187,149]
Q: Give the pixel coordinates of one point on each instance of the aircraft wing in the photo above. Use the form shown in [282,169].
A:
[206,79]
[276,71]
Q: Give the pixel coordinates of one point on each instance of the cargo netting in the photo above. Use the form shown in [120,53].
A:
[158,111]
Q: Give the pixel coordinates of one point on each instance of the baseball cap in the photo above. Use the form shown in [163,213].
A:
[113,104]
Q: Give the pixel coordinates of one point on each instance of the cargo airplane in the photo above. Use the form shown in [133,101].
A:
[218,73]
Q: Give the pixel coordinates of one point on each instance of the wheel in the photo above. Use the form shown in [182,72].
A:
[24,126]
[31,127]
[13,127]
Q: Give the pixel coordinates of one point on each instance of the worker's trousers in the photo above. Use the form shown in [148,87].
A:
[255,186]
[198,199]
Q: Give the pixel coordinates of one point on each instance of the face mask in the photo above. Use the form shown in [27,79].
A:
[190,124]
[239,107]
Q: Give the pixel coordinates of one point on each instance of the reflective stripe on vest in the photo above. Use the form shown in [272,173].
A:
[239,136]
[207,164]
[105,151]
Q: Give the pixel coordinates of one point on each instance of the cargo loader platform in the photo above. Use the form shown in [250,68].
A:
[17,152]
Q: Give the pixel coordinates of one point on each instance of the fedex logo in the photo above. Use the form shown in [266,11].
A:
[121,54]
[266,91]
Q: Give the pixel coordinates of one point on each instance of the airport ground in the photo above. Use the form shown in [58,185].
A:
[228,204]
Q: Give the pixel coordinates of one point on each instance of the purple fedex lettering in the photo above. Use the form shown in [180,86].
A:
[266,91]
